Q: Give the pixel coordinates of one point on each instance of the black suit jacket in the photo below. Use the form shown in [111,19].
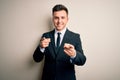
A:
[57,65]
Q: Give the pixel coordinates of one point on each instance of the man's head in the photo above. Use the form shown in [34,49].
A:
[60,16]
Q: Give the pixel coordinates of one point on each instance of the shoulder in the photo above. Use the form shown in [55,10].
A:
[73,37]
[73,34]
[47,34]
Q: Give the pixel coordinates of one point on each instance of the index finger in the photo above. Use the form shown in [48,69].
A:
[42,39]
[71,46]
[68,46]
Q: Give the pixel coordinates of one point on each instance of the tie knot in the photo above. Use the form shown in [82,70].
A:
[58,33]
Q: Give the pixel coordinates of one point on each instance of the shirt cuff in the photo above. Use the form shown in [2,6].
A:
[42,50]
[72,58]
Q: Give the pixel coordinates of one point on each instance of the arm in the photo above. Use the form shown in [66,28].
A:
[39,52]
[80,58]
[75,51]
[38,55]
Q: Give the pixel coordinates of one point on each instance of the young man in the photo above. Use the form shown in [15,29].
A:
[62,49]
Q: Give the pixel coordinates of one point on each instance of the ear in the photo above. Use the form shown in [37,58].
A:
[68,19]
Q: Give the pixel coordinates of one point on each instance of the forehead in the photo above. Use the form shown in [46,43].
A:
[60,13]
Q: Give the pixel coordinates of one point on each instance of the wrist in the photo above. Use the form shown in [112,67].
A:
[73,56]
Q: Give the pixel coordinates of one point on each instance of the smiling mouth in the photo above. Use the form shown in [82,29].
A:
[59,24]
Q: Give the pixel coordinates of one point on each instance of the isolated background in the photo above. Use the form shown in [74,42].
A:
[22,23]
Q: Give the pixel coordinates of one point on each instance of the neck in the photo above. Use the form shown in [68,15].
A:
[60,30]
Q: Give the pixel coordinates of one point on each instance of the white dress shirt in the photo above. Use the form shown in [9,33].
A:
[61,35]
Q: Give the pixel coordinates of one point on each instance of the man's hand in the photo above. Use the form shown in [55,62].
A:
[44,42]
[69,49]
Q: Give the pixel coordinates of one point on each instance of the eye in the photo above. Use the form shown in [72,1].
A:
[62,17]
[55,17]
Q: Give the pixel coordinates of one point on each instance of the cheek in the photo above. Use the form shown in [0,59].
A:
[65,21]
[55,21]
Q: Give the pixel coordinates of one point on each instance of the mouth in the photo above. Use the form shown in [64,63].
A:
[59,24]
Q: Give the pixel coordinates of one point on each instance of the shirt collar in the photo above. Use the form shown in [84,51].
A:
[62,32]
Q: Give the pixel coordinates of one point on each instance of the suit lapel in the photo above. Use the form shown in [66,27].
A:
[52,45]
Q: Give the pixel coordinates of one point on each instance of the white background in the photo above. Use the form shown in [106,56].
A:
[22,23]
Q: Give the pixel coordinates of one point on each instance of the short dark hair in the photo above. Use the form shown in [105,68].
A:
[59,7]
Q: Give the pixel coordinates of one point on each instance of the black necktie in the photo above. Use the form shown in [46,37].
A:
[58,40]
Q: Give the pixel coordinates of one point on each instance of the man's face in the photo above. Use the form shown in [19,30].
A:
[60,19]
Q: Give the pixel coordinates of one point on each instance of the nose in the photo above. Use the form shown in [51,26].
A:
[59,20]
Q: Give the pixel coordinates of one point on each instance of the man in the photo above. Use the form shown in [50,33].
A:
[62,49]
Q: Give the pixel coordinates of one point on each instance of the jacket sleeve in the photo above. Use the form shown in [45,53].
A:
[80,58]
[38,55]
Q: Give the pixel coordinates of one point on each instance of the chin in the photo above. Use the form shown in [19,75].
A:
[59,29]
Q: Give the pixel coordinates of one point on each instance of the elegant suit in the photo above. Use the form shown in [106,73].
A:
[57,65]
